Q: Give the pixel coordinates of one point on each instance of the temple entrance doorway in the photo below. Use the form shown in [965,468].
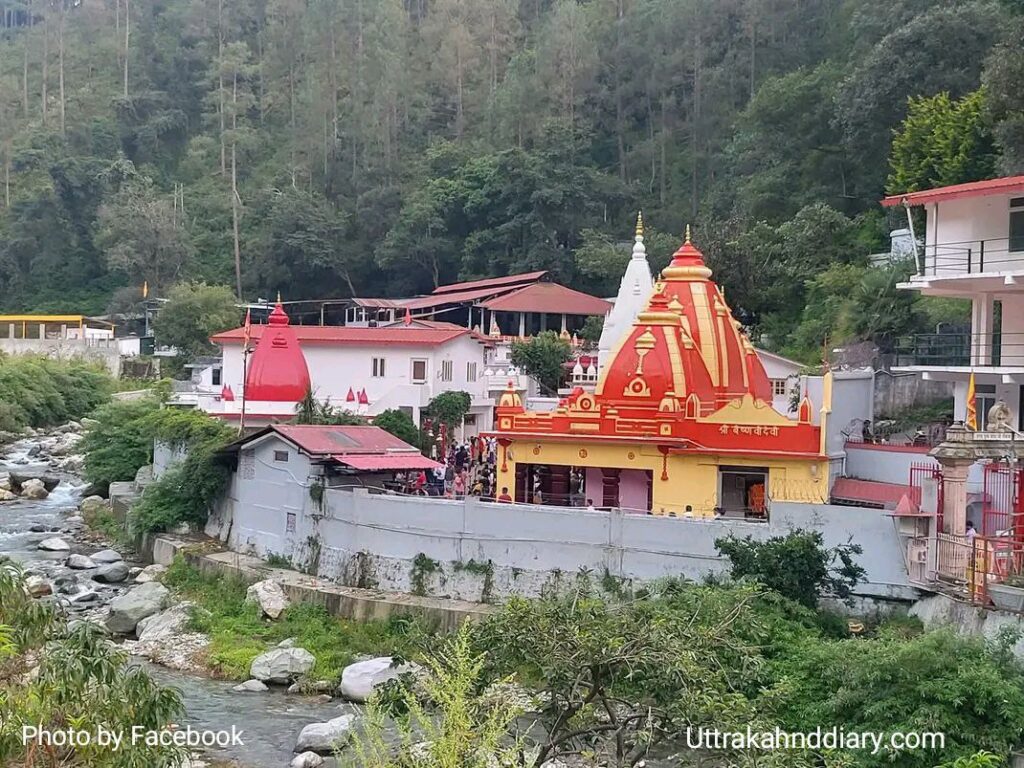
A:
[743,491]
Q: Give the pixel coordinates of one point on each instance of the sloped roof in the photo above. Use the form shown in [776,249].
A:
[339,440]
[1003,186]
[549,297]
[492,282]
[870,491]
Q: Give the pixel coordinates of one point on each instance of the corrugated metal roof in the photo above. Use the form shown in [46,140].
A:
[394,461]
[337,440]
[349,335]
[870,491]
[491,282]
[1002,186]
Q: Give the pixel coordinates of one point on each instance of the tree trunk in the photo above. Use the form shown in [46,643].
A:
[127,35]
[235,200]
[46,57]
[24,63]
[60,64]
[220,84]
[7,173]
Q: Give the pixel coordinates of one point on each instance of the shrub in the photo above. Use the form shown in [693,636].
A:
[120,442]
[40,392]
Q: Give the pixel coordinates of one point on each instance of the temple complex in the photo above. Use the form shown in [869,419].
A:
[680,422]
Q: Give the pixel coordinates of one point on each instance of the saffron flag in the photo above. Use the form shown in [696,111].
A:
[408,316]
[247,334]
[145,289]
[972,409]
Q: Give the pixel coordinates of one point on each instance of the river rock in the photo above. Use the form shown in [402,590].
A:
[106,556]
[166,625]
[150,573]
[114,573]
[38,528]
[67,584]
[54,545]
[132,607]
[282,665]
[270,597]
[18,480]
[307,760]
[79,563]
[37,586]
[358,680]
[7,495]
[250,686]
[34,489]
[66,445]
[322,738]
[92,504]
[5,482]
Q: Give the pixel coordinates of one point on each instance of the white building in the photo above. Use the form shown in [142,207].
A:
[973,250]
[368,370]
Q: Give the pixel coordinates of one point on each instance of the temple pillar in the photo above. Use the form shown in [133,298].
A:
[543,321]
[982,327]
[954,494]
[522,324]
[521,490]
[565,325]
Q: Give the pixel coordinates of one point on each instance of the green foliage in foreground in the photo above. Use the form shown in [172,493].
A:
[797,566]
[40,392]
[239,633]
[83,682]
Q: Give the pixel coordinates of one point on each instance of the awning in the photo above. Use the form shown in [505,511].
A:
[395,461]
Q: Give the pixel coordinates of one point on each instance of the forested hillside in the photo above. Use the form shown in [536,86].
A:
[327,147]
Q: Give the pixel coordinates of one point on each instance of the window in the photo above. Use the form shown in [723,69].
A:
[469,420]
[280,455]
[216,376]
[419,371]
[378,368]
[447,368]
[984,399]
[470,371]
[1017,224]
[743,490]
[780,387]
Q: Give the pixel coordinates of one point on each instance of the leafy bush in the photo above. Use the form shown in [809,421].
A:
[39,392]
[543,357]
[120,441]
[797,566]
[398,424]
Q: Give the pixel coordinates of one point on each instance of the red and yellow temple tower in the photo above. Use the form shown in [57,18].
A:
[680,423]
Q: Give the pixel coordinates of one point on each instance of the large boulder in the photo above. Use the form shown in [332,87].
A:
[5,482]
[54,544]
[106,556]
[323,738]
[165,625]
[270,597]
[113,573]
[6,495]
[306,760]
[132,607]
[18,480]
[92,504]
[37,586]
[282,665]
[34,489]
[79,563]
[150,573]
[358,680]
[66,444]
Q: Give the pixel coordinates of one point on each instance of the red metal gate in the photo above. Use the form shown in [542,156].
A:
[1002,502]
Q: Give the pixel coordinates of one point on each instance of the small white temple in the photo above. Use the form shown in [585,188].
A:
[635,289]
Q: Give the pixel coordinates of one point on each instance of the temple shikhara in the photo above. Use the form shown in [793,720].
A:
[680,423]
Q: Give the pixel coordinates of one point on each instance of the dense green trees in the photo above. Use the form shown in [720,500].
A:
[40,392]
[328,150]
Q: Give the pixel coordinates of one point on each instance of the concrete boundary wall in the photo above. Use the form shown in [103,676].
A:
[475,550]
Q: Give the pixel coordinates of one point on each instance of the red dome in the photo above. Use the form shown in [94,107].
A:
[277,371]
[685,343]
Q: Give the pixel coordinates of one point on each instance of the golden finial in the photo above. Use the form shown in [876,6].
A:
[278,297]
[688,235]
[639,223]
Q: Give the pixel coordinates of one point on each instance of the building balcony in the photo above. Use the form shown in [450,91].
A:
[991,256]
[961,350]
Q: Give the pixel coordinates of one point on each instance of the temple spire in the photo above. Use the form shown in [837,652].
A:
[688,234]
[639,223]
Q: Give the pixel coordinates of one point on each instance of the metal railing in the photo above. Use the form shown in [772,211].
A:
[969,257]
[978,568]
[960,349]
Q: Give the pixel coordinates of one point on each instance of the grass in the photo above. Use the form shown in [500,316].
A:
[238,633]
[104,522]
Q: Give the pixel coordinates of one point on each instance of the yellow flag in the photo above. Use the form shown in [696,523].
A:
[972,410]
[145,289]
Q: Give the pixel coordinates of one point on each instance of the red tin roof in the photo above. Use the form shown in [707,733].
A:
[549,298]
[1003,186]
[338,440]
[393,461]
[870,491]
[349,335]
[492,282]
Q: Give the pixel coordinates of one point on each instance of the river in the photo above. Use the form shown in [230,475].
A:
[270,721]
